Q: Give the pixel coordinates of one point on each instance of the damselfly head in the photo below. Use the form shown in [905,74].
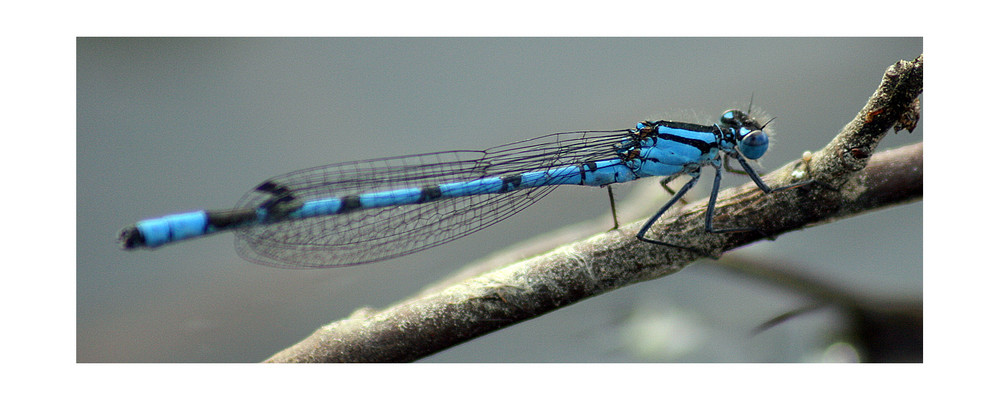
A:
[749,133]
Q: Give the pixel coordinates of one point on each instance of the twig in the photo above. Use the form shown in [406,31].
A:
[852,182]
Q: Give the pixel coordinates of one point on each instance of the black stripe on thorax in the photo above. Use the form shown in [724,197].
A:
[701,145]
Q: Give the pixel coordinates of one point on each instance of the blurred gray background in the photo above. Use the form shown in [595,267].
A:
[170,125]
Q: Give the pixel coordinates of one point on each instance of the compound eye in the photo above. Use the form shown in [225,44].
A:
[754,144]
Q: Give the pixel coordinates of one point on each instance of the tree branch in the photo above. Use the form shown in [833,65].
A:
[852,182]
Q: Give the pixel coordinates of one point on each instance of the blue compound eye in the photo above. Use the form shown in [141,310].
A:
[754,145]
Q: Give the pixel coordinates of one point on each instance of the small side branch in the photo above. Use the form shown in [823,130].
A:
[852,181]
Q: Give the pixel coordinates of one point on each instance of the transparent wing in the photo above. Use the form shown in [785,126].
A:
[371,235]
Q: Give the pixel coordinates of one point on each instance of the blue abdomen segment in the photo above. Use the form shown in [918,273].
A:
[319,207]
[159,231]
[607,172]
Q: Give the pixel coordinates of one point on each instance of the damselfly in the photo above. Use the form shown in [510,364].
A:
[366,211]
